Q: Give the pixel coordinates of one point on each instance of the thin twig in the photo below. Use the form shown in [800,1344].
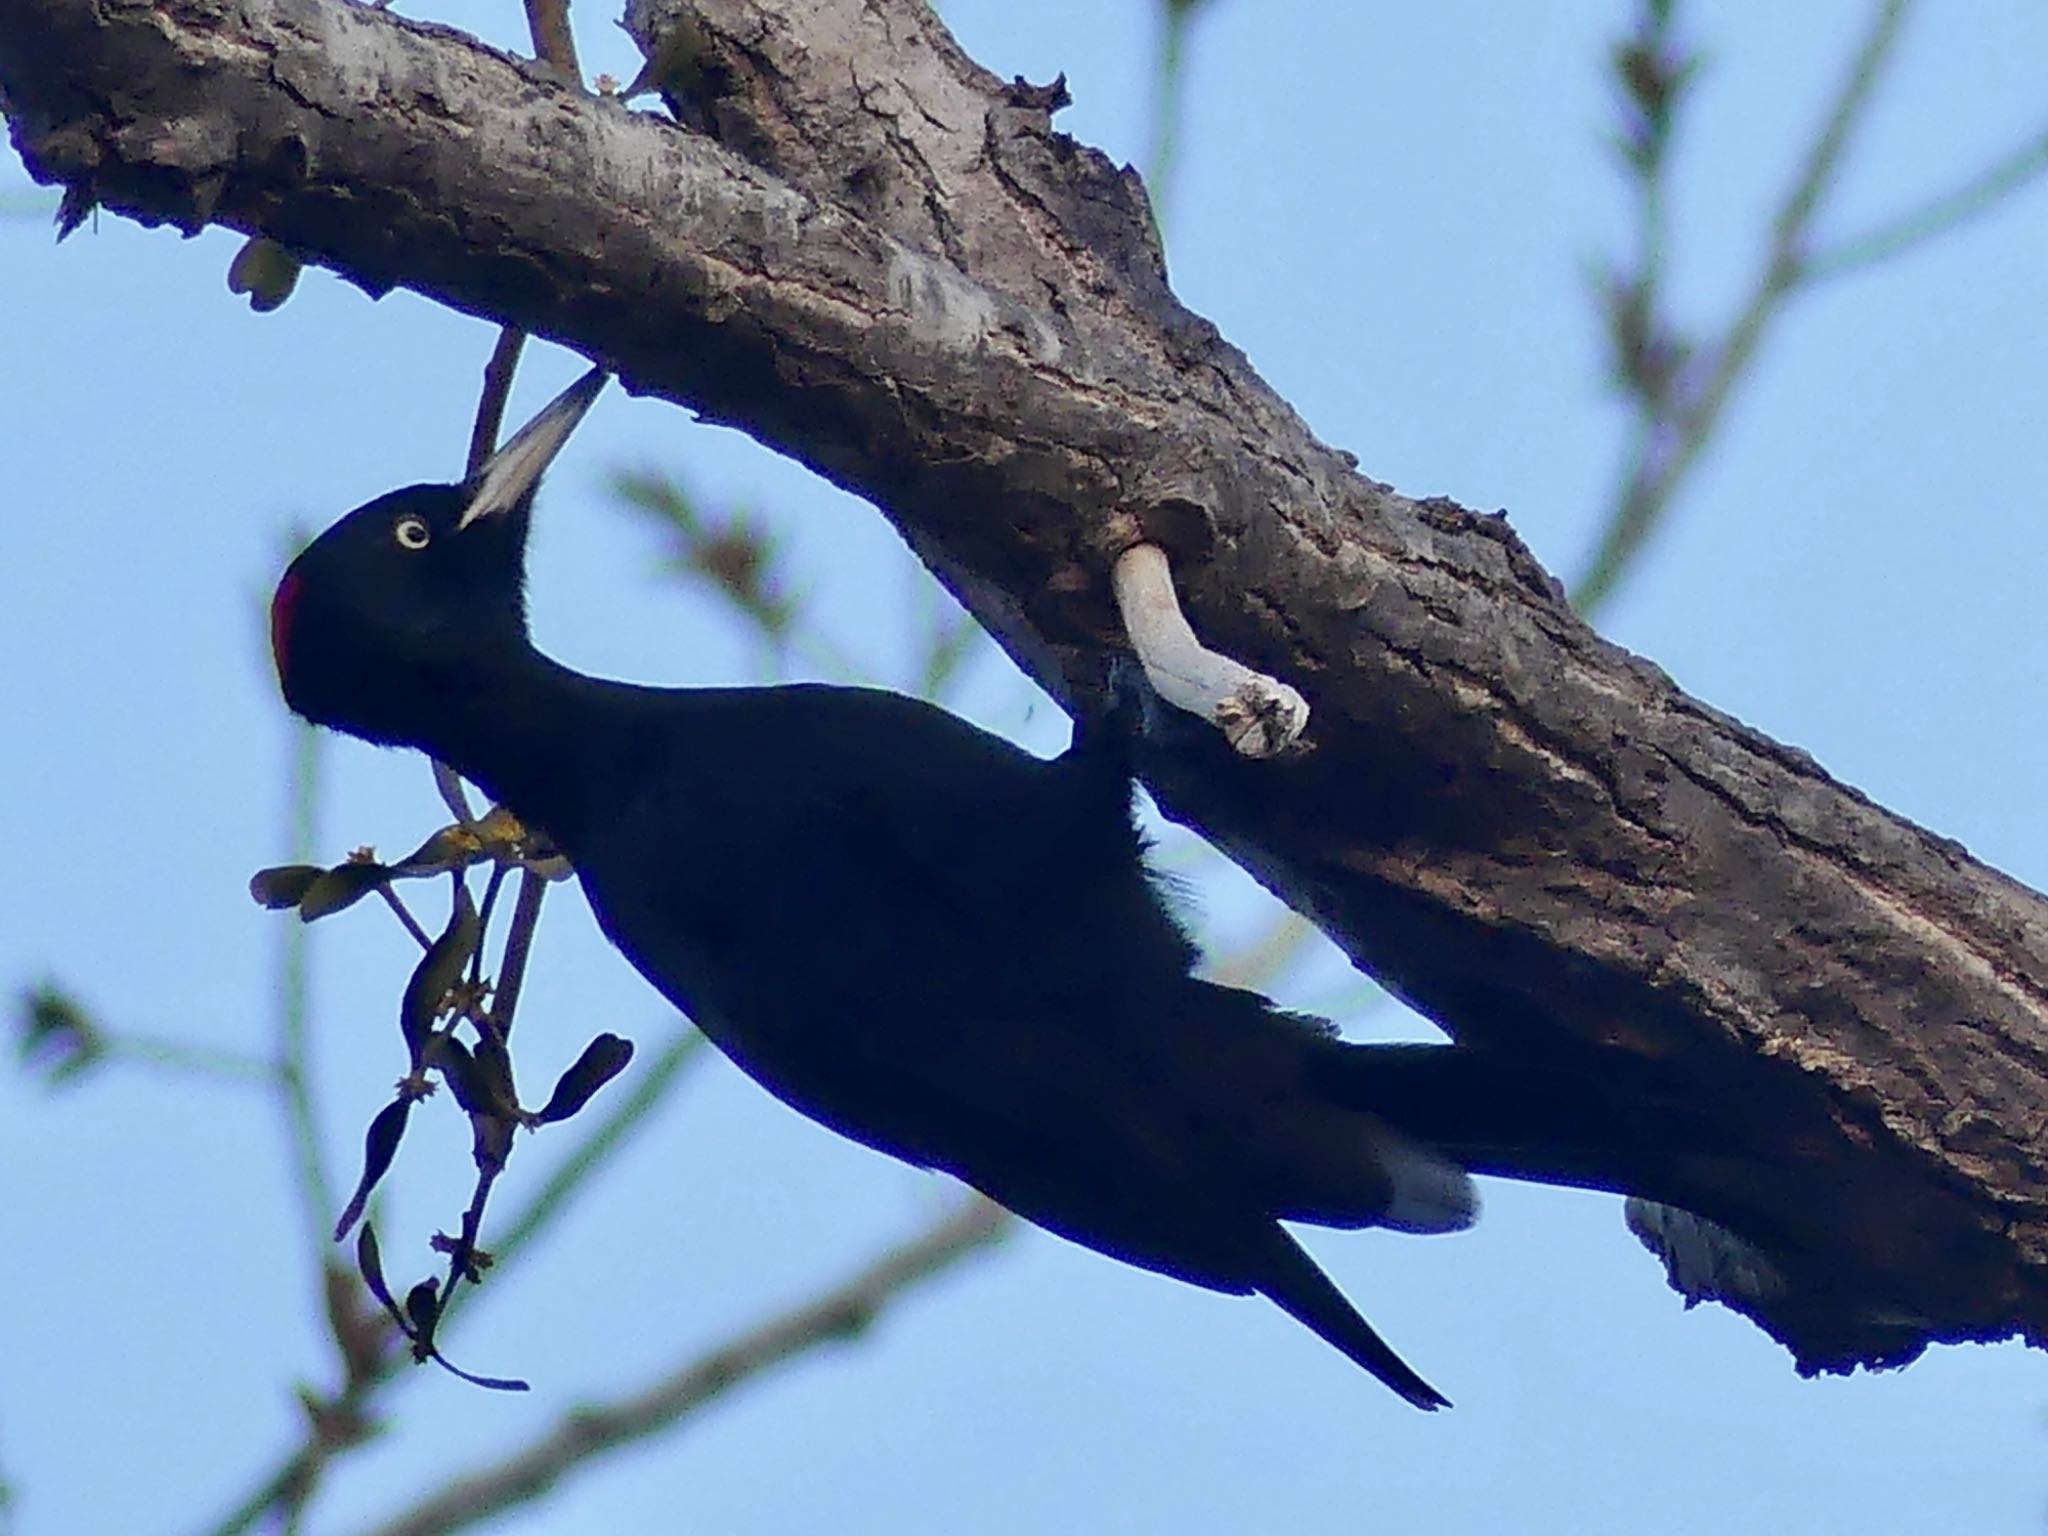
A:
[195,1060]
[490,405]
[842,1312]
[484,913]
[397,904]
[598,1145]
[1169,104]
[297,1475]
[294,991]
[453,795]
[301,1467]
[1256,964]
[287,1491]
[518,947]
[548,22]
[951,639]
[587,1433]
[290,1486]
[1668,448]
[1939,215]
[483,442]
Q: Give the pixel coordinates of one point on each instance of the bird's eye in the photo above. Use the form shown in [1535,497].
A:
[411,532]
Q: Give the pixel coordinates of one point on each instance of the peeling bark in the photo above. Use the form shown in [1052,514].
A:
[867,252]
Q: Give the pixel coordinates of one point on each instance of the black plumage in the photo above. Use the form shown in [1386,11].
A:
[904,927]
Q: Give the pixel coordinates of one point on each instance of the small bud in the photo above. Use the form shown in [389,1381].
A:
[423,1311]
[466,1259]
[56,1035]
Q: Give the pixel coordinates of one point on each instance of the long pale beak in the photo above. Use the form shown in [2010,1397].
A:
[510,474]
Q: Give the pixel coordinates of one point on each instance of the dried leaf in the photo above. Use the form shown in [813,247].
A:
[491,1142]
[418,1317]
[440,968]
[492,1383]
[265,271]
[499,830]
[283,885]
[602,1060]
[453,847]
[459,1068]
[370,1265]
[380,1145]
[337,889]
[494,1074]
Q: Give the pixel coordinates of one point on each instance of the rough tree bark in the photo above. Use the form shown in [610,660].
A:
[869,253]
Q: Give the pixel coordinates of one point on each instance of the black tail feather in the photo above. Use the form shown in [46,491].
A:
[1306,1294]
[1527,1119]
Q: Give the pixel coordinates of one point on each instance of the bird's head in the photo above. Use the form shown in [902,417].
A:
[394,606]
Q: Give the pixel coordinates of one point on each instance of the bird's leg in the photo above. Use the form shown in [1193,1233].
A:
[1260,715]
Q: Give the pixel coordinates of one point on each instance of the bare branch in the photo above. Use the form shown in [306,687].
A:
[589,1433]
[312,1183]
[599,1143]
[1672,437]
[446,780]
[553,43]
[490,412]
[403,913]
[1175,20]
[195,1060]
[1972,199]
[518,947]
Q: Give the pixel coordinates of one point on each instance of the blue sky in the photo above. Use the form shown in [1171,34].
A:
[1392,210]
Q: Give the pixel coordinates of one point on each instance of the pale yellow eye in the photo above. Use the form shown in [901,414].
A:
[411,533]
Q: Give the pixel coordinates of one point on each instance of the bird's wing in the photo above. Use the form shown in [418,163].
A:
[929,859]
[921,936]
[951,951]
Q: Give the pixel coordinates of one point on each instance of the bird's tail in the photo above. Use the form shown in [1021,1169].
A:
[1532,1119]
[1293,1280]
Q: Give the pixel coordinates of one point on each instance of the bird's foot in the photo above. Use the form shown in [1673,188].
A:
[1260,715]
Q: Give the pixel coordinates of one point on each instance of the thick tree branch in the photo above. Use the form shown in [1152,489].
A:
[871,254]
